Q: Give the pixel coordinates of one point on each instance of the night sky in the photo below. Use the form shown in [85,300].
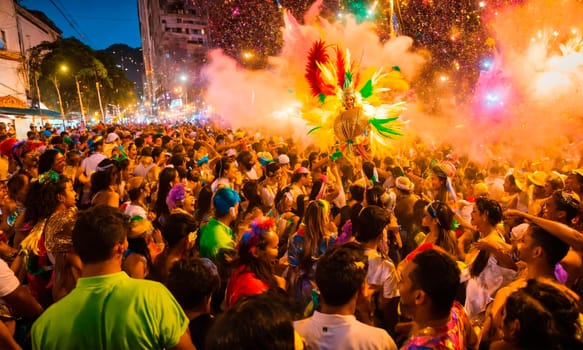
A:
[97,23]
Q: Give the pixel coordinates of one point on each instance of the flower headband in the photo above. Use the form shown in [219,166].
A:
[50,175]
[177,194]
[258,227]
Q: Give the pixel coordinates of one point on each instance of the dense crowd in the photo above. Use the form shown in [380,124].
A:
[184,236]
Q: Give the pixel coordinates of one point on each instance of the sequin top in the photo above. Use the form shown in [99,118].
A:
[58,231]
[448,337]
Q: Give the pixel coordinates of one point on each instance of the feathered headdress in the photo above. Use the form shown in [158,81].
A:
[336,82]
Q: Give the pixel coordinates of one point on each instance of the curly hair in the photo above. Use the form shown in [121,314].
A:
[46,160]
[41,199]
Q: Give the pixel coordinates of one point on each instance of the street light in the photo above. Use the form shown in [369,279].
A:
[63,68]
[80,100]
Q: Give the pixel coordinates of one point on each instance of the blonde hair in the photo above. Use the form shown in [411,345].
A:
[315,221]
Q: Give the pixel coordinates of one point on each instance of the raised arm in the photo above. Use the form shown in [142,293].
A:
[563,232]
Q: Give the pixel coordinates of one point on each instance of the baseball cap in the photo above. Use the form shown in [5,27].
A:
[111,137]
[302,170]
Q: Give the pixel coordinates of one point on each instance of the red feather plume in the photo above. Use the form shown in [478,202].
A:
[313,75]
[340,67]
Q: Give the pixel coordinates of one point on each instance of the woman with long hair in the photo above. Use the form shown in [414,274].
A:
[104,182]
[487,275]
[131,150]
[226,174]
[168,178]
[286,221]
[441,187]
[180,235]
[203,212]
[270,184]
[256,255]
[50,198]
[305,247]
[439,219]
[253,203]
[138,192]
[180,199]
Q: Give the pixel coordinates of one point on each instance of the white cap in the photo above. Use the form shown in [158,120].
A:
[283,159]
[111,137]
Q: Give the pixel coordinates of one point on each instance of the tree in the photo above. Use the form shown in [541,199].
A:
[84,65]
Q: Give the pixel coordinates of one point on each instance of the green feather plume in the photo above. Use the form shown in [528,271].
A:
[367,89]
[314,129]
[347,79]
[380,125]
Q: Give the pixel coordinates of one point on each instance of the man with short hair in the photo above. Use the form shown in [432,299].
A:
[429,283]
[193,282]
[541,251]
[217,235]
[341,278]
[108,309]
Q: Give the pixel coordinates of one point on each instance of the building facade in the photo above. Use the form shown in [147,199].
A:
[174,42]
[20,30]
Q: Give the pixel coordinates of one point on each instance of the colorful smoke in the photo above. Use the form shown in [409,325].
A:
[526,105]
[269,100]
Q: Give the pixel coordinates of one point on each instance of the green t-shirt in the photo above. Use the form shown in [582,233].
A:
[112,312]
[215,236]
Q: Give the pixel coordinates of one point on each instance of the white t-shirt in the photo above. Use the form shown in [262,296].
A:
[90,163]
[382,272]
[218,182]
[8,281]
[338,332]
